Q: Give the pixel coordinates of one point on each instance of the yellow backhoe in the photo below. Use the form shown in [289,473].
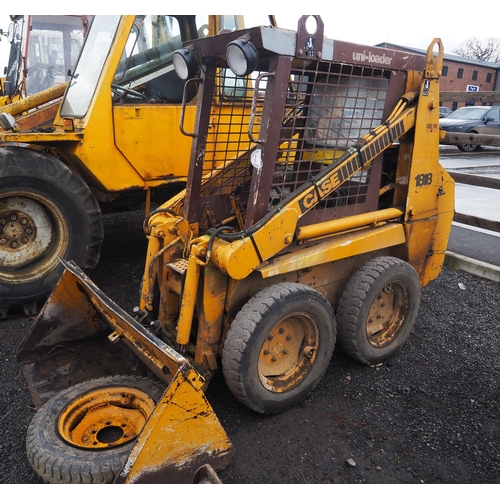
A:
[105,139]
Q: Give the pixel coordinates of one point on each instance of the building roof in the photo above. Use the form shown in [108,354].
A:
[448,57]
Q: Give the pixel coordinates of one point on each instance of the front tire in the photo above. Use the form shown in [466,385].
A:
[47,212]
[468,148]
[278,347]
[85,433]
[377,309]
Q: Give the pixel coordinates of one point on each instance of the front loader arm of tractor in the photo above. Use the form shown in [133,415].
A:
[239,254]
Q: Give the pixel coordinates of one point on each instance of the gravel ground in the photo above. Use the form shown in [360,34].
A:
[430,415]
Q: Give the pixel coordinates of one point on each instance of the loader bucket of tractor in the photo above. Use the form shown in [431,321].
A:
[98,421]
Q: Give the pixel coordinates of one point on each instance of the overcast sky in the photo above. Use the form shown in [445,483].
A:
[413,24]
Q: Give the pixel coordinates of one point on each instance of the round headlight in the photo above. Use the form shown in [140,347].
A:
[185,63]
[242,57]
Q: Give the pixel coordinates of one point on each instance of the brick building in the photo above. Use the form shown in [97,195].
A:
[461,74]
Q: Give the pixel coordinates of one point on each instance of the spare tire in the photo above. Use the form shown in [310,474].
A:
[85,433]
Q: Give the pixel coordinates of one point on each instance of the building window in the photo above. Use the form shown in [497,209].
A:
[460,73]
[488,78]
[445,71]
[474,76]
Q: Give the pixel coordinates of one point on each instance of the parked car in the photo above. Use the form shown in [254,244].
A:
[472,120]
[444,111]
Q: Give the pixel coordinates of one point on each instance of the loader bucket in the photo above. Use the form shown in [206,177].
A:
[81,334]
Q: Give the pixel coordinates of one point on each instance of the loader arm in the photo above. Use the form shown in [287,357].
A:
[280,225]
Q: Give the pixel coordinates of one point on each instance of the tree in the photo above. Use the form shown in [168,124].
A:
[481,50]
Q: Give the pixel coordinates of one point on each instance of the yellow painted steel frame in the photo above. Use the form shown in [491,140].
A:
[430,199]
[417,229]
[239,258]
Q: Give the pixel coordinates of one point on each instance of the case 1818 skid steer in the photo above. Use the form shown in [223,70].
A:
[325,228]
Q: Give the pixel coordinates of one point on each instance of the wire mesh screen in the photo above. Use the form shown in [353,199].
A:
[339,104]
[228,134]
[328,108]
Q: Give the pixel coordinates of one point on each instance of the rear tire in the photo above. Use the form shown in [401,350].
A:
[278,347]
[377,309]
[47,212]
[60,452]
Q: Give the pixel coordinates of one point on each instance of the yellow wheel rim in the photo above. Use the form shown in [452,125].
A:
[387,314]
[289,352]
[105,417]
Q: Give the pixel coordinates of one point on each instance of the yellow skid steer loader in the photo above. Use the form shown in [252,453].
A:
[324,229]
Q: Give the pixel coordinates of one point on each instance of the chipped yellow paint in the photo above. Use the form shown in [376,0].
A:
[182,432]
[336,248]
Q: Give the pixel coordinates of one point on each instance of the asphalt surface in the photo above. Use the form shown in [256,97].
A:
[479,245]
[430,415]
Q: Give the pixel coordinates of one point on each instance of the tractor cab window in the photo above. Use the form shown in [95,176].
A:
[89,66]
[146,63]
[54,44]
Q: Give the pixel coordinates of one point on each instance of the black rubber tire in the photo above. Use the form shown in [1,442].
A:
[57,462]
[468,148]
[353,310]
[65,200]
[277,304]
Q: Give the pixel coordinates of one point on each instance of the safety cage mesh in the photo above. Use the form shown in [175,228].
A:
[329,107]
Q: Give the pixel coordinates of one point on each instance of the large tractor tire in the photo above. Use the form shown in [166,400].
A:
[47,212]
[278,347]
[377,309]
[85,433]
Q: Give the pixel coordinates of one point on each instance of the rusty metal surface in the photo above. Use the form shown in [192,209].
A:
[69,364]
[181,435]
[324,107]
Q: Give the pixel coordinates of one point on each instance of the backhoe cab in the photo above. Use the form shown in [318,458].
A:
[43,49]
[107,138]
[323,228]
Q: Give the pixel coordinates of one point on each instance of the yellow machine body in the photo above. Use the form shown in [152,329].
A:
[247,269]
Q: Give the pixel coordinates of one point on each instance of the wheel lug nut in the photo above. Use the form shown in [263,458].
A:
[289,337]
[269,337]
[273,358]
[13,217]
[282,330]
[266,352]
[2,221]
[28,230]
[24,221]
[24,240]
[3,241]
[13,244]
[285,351]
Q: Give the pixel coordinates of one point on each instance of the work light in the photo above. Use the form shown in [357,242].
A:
[242,57]
[185,63]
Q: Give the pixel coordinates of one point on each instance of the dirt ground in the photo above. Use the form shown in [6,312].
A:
[430,415]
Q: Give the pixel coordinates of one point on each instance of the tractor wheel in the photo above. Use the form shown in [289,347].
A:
[47,212]
[278,347]
[378,309]
[85,433]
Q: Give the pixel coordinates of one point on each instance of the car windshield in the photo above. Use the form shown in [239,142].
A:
[467,113]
